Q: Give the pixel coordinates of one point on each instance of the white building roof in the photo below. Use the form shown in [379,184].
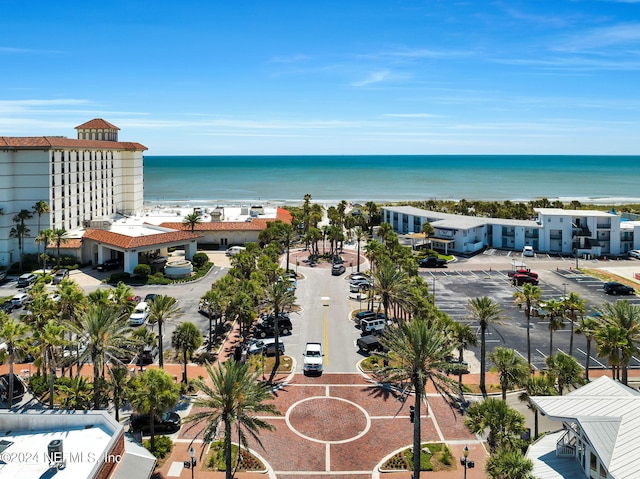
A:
[609,414]
[450,220]
[561,212]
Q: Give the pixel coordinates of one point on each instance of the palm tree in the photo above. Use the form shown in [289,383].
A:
[286,235]
[512,369]
[45,237]
[610,342]
[391,285]
[50,340]
[19,231]
[59,237]
[77,392]
[563,370]
[105,330]
[508,463]
[529,295]
[117,386]
[372,212]
[41,208]
[13,333]
[536,385]
[575,305]
[280,298]
[162,309]
[462,336]
[153,392]
[191,220]
[360,234]
[486,312]
[186,338]
[72,303]
[234,396]
[505,424]
[556,319]
[626,317]
[140,339]
[588,326]
[419,352]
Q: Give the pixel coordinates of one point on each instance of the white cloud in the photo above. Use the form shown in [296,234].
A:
[373,78]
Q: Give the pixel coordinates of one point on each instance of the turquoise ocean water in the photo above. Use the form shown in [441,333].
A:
[283,179]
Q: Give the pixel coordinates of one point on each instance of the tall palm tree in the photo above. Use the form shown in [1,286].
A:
[287,235]
[280,298]
[13,334]
[191,220]
[117,386]
[359,234]
[419,352]
[142,338]
[371,208]
[233,395]
[610,341]
[20,231]
[486,312]
[529,295]
[186,338]
[512,369]
[390,285]
[45,237]
[462,336]
[50,341]
[625,316]
[72,303]
[59,237]
[575,305]
[41,208]
[162,309]
[427,230]
[588,325]
[536,385]
[153,392]
[105,332]
[556,319]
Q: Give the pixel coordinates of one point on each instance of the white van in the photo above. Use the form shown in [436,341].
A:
[373,326]
[234,250]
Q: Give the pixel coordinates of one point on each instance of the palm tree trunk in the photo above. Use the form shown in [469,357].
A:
[586,364]
[96,385]
[160,352]
[152,429]
[52,382]
[528,314]
[416,428]
[184,372]
[276,337]
[227,449]
[535,423]
[10,388]
[551,342]
[571,338]
[483,387]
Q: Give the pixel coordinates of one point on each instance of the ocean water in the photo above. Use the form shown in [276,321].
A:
[286,179]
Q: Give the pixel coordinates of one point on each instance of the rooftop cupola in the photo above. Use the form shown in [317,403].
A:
[97,129]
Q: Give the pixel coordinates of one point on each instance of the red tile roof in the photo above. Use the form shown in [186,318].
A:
[97,123]
[72,243]
[129,242]
[256,224]
[47,142]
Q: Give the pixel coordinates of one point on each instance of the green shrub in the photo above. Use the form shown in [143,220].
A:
[158,278]
[199,260]
[142,270]
[39,384]
[163,446]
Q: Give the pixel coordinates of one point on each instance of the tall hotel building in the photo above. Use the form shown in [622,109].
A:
[91,177]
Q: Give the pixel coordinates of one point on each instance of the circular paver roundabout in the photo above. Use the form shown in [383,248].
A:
[328,420]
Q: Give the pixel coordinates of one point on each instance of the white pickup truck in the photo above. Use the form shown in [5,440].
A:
[313,358]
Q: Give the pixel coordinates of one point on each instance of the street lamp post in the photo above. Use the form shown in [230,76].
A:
[465,455]
[192,463]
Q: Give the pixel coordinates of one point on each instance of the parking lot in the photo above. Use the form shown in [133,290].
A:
[454,287]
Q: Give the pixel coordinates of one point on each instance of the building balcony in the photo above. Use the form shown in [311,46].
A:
[581,232]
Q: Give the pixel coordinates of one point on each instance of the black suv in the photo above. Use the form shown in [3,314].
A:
[264,328]
[432,262]
[615,288]
[109,265]
[168,422]
[7,306]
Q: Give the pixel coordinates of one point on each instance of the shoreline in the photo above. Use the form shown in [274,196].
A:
[274,203]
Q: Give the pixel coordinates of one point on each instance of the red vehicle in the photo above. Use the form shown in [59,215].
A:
[523,271]
[520,279]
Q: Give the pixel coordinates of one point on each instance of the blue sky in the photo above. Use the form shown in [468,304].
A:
[328,77]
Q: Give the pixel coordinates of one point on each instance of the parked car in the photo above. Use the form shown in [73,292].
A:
[18,388]
[634,253]
[3,275]
[432,262]
[167,422]
[362,316]
[264,328]
[523,271]
[150,297]
[337,269]
[313,358]
[265,346]
[60,275]
[139,315]
[369,344]
[359,284]
[615,288]
[110,265]
[27,280]
[520,279]
[148,356]
[20,300]
[7,306]
[528,251]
